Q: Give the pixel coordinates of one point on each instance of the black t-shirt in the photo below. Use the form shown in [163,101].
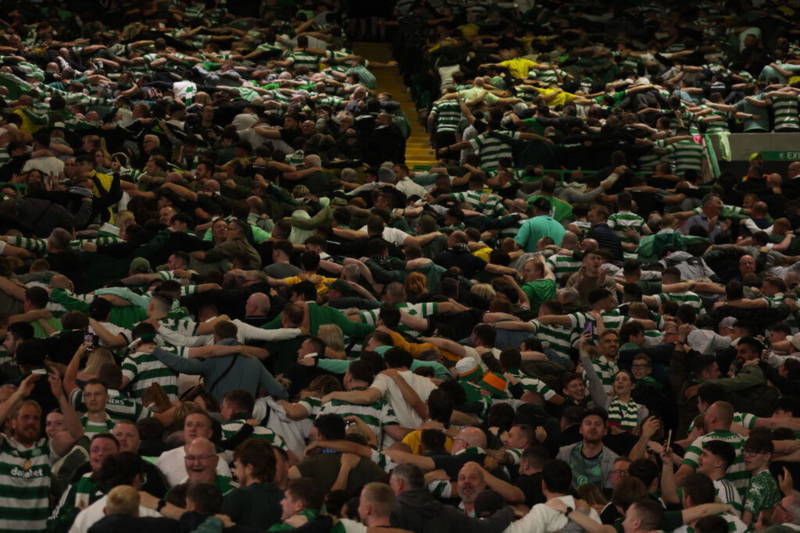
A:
[531,485]
[453,463]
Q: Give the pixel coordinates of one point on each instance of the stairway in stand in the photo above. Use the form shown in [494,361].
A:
[389,79]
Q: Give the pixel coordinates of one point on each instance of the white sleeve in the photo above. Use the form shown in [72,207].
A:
[381,383]
[222,468]
[351,526]
[395,236]
[794,340]
[176,339]
[540,519]
[720,342]
[247,332]
[469,351]
[364,188]
[750,225]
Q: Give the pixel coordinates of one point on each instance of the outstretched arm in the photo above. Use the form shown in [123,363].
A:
[62,441]
[23,391]
[360,397]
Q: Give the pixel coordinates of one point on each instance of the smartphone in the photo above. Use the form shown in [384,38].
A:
[39,371]
[668,441]
[90,339]
[589,328]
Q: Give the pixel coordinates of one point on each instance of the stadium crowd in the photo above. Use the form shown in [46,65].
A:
[228,304]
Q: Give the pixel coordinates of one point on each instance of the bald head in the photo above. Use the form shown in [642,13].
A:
[569,241]
[469,437]
[470,481]
[258,304]
[457,237]
[201,460]
[589,245]
[719,415]
[395,292]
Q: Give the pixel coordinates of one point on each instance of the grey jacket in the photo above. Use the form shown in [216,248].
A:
[246,373]
[606,461]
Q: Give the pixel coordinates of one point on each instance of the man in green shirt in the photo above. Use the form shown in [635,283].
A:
[35,312]
[541,224]
[540,284]
[762,492]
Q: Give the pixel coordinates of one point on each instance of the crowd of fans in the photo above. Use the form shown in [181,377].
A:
[227,303]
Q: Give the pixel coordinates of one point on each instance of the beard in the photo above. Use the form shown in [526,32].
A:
[27,434]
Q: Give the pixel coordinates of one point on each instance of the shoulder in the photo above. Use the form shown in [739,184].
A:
[172,455]
[565,450]
[609,454]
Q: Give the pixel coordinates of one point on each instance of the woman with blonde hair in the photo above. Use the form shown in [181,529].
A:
[97,358]
[333,337]
[416,286]
[125,219]
[484,291]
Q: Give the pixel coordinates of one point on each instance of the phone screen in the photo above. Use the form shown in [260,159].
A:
[589,328]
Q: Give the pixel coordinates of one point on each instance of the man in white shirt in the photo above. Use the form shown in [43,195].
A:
[556,485]
[44,160]
[406,185]
[123,469]
[172,463]
[390,384]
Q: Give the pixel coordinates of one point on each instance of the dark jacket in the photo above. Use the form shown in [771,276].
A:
[43,216]
[418,511]
[606,238]
[257,505]
[191,520]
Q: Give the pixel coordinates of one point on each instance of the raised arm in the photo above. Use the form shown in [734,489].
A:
[62,441]
[23,391]
[596,389]
[71,372]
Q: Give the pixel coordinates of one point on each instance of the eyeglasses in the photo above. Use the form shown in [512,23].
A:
[620,472]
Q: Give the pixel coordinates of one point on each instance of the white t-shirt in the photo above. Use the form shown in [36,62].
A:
[469,351]
[542,518]
[173,466]
[49,165]
[405,414]
[114,330]
[96,512]
[392,235]
[408,187]
[735,525]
